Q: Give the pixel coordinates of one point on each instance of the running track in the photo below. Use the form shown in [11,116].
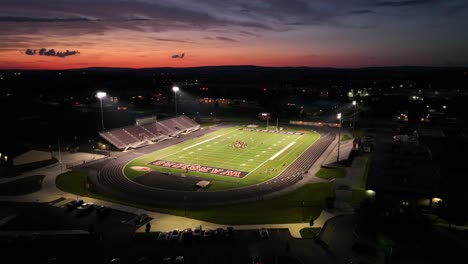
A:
[111,180]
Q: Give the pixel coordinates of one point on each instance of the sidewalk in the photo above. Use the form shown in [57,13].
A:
[354,173]
[66,158]
[163,222]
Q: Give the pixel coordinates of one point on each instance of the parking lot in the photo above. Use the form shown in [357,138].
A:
[44,232]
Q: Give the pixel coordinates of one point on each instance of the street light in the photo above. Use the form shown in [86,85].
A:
[101,95]
[354,115]
[175,89]
[339,137]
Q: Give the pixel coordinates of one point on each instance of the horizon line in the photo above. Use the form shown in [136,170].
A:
[230,65]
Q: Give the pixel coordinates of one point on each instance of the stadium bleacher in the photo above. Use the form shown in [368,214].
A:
[140,135]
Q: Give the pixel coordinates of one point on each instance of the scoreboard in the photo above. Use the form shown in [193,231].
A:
[264,116]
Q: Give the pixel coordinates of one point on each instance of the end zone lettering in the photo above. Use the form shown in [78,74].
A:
[199,168]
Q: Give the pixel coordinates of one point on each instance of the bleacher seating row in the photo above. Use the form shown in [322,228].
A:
[140,135]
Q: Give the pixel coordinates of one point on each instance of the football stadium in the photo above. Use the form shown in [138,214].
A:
[174,162]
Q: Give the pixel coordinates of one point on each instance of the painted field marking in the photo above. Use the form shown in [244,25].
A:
[282,150]
[194,145]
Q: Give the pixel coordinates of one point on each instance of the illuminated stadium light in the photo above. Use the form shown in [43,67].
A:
[175,89]
[101,95]
[370,193]
[354,116]
[339,138]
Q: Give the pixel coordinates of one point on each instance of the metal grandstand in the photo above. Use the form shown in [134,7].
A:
[148,130]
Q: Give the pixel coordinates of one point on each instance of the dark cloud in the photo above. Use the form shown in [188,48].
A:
[138,19]
[23,19]
[362,12]
[248,33]
[226,39]
[30,52]
[405,3]
[171,40]
[51,52]
[178,56]
[44,20]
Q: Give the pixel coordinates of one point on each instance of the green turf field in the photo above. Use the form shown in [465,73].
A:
[262,156]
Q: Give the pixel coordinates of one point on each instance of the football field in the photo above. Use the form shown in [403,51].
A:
[231,157]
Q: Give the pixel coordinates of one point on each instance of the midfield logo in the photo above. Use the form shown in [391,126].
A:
[199,168]
[273,131]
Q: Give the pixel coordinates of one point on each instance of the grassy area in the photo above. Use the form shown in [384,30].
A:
[22,186]
[366,173]
[359,133]
[215,150]
[73,182]
[345,137]
[297,206]
[328,174]
[357,197]
[310,232]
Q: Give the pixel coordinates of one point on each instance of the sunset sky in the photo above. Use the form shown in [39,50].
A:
[148,33]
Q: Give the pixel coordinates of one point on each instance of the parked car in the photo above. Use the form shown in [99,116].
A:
[143,260]
[85,207]
[174,234]
[179,260]
[163,236]
[197,232]
[187,234]
[263,233]
[102,210]
[208,234]
[114,260]
[219,233]
[166,260]
[229,232]
[256,260]
[74,203]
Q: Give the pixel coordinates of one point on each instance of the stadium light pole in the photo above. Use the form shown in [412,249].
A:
[101,95]
[354,116]
[175,89]
[339,137]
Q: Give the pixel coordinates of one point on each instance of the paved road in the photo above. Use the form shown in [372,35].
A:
[338,235]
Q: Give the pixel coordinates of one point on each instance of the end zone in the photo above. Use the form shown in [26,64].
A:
[199,168]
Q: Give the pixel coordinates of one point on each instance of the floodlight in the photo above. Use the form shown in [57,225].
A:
[101,95]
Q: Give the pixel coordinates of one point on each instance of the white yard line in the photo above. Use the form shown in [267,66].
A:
[255,169]
[199,143]
[261,164]
[173,154]
[282,150]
